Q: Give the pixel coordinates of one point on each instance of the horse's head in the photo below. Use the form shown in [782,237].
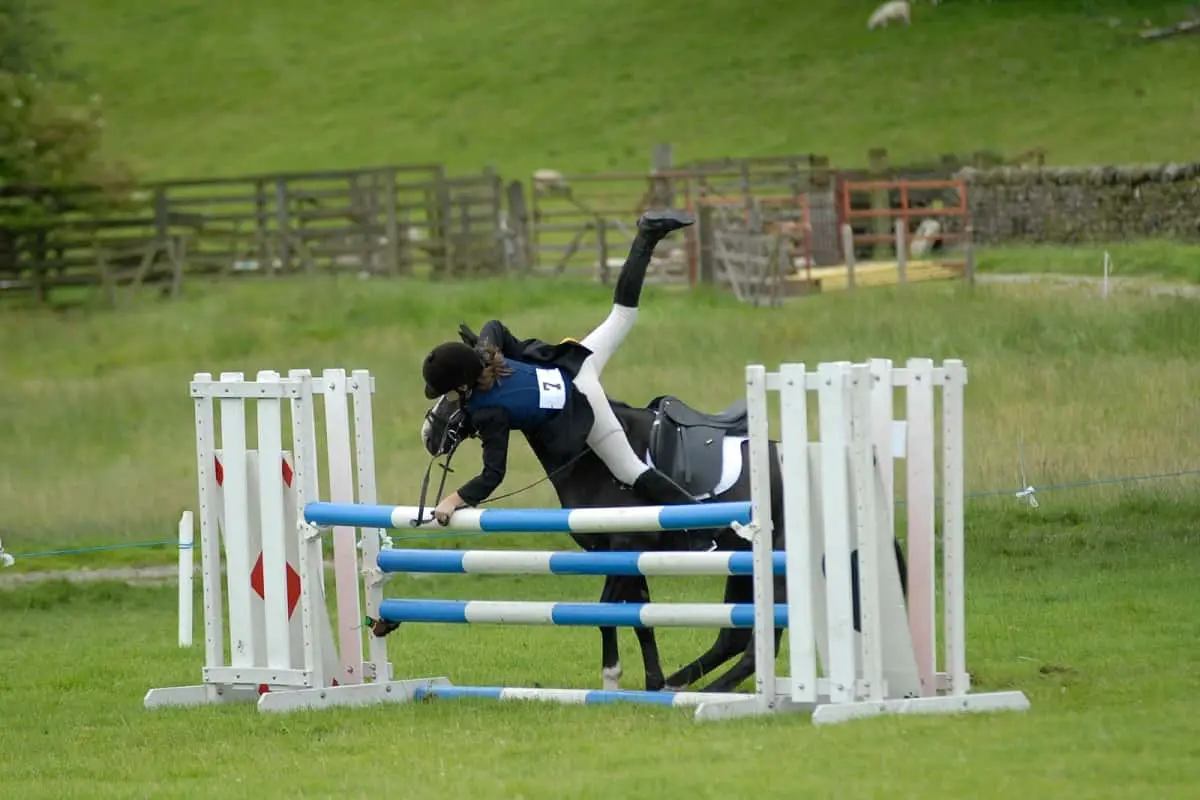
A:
[445,426]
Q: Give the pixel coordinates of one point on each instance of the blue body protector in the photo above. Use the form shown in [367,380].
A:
[531,395]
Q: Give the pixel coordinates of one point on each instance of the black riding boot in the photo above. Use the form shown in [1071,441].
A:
[652,227]
[655,487]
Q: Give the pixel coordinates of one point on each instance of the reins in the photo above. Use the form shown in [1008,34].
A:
[452,439]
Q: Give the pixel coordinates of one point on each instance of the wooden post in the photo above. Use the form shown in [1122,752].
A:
[602,243]
[518,226]
[284,224]
[161,215]
[821,177]
[970,256]
[704,237]
[848,249]
[262,224]
[877,160]
[901,249]
[391,224]
[499,245]
[439,226]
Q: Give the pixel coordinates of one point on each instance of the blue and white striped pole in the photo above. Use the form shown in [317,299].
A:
[626,615]
[576,696]
[536,520]
[544,562]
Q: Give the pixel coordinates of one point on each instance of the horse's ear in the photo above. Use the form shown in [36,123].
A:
[467,335]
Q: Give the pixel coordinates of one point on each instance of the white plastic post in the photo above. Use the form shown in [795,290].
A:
[304,482]
[186,578]
[953,549]
[210,538]
[919,464]
[271,522]
[361,387]
[243,643]
[345,552]
[870,569]
[802,644]
[835,504]
[763,546]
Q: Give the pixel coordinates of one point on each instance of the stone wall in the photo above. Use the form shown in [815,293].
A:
[1083,204]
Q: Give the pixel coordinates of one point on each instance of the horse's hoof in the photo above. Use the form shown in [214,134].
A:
[663,222]
[380,628]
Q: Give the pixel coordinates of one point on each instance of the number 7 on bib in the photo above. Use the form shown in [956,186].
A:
[552,389]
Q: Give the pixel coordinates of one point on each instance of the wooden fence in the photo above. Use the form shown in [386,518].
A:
[417,220]
[397,220]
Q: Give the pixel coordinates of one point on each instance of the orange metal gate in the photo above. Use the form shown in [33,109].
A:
[953,217]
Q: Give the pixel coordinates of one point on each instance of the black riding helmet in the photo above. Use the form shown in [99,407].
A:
[450,365]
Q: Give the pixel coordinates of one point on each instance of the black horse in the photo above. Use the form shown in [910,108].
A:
[690,447]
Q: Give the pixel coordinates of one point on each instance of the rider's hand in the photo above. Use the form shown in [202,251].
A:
[447,507]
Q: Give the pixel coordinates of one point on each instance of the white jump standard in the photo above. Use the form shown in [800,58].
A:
[858,646]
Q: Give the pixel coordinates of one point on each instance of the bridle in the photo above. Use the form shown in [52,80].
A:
[447,446]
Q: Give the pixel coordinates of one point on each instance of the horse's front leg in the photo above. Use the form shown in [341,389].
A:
[635,589]
[610,651]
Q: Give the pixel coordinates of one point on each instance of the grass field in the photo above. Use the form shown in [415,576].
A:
[221,87]
[1084,603]
[1088,611]
[97,405]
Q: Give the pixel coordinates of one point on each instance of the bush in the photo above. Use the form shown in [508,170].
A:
[50,124]
[50,137]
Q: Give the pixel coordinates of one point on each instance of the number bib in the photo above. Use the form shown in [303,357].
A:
[552,389]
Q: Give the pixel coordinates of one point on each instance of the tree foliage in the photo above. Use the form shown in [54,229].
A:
[50,124]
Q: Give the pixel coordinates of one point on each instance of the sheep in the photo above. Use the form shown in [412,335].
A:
[925,239]
[550,181]
[893,10]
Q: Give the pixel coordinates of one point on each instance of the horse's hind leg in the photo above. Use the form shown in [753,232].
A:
[742,669]
[745,666]
[730,641]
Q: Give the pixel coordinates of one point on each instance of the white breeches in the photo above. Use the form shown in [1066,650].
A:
[607,437]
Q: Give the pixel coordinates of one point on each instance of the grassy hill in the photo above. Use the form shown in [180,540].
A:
[225,87]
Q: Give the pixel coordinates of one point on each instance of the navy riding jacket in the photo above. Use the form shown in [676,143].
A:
[539,391]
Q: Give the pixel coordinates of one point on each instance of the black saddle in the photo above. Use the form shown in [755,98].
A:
[687,444]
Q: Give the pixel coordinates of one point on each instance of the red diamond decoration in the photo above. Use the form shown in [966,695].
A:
[293,584]
[219,472]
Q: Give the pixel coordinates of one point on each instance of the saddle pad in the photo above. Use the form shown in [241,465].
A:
[731,465]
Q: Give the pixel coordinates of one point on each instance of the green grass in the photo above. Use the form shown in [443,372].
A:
[1088,612]
[97,416]
[221,87]
[1083,603]
[1154,259]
